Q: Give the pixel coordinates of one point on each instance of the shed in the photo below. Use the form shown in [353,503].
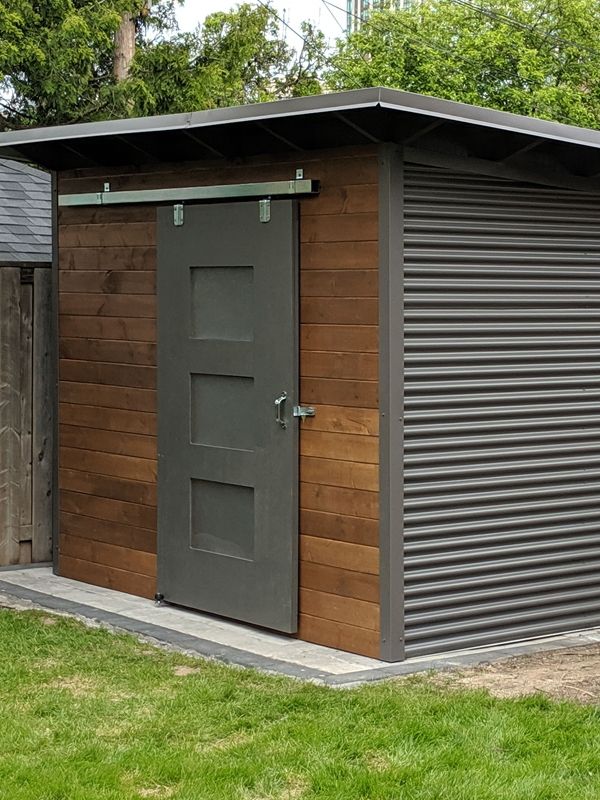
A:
[25,357]
[424,276]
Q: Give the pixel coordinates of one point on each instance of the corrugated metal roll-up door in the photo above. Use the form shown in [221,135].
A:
[502,410]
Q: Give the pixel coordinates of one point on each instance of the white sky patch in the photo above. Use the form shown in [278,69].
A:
[330,20]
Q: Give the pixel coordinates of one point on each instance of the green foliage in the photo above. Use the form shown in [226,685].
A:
[236,57]
[534,57]
[56,61]
[90,715]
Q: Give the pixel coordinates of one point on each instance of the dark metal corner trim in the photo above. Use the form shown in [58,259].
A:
[391,397]
[54,369]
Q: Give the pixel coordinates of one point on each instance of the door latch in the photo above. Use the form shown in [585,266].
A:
[303,411]
[279,401]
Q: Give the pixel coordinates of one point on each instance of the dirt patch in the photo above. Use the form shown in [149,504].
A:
[569,674]
[77,685]
[297,786]
[182,671]
[156,791]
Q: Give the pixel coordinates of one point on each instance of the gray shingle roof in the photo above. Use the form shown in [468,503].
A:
[25,213]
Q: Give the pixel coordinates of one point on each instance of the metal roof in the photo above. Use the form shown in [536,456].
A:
[304,124]
[25,214]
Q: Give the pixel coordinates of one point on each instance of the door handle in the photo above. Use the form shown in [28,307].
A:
[279,401]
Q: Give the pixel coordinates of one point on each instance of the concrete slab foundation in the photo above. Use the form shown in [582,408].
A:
[243,645]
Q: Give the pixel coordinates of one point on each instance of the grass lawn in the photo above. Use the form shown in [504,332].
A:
[86,714]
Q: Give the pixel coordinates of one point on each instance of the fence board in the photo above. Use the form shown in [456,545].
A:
[43,416]
[10,413]
[26,378]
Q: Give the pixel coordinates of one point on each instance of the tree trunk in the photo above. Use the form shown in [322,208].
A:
[124,47]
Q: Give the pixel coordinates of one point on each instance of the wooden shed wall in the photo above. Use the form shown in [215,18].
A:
[107,305]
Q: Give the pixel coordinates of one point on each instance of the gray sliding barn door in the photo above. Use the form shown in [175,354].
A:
[227,347]
[502,399]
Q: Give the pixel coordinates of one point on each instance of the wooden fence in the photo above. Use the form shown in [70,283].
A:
[26,414]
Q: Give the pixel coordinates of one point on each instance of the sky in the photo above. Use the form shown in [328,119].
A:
[293,11]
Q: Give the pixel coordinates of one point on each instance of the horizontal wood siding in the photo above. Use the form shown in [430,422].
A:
[107,410]
[108,381]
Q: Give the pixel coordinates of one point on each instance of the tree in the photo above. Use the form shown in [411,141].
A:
[57,57]
[533,57]
[63,61]
[235,57]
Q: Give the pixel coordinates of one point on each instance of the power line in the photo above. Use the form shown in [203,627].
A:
[436,47]
[508,20]
[307,43]
[441,48]
[333,17]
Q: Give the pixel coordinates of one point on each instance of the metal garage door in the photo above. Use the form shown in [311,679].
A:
[502,401]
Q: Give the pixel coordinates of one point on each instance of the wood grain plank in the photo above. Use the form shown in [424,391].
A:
[340,446]
[339,283]
[117,234]
[109,281]
[339,255]
[103,508]
[101,441]
[347,610]
[10,414]
[330,167]
[339,635]
[109,555]
[286,159]
[108,419]
[340,419]
[89,394]
[102,530]
[109,577]
[346,199]
[357,530]
[87,215]
[108,350]
[44,380]
[100,304]
[338,500]
[26,401]
[101,258]
[110,464]
[120,328]
[342,582]
[128,375]
[339,338]
[330,472]
[345,555]
[339,228]
[339,310]
[348,366]
[358,394]
[113,488]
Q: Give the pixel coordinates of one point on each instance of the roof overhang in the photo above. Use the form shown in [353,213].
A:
[364,116]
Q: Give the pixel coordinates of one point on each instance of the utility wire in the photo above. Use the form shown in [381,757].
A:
[454,53]
[333,17]
[425,42]
[308,44]
[508,20]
